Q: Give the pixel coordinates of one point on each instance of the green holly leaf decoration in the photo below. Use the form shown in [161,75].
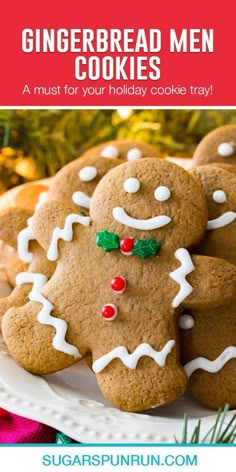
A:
[108,241]
[146,247]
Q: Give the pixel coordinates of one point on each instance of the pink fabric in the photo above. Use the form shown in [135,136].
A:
[15,429]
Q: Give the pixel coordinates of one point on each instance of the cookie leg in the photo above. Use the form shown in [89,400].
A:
[215,390]
[18,297]
[147,386]
[31,343]
[208,354]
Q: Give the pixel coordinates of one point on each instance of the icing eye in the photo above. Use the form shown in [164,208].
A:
[134,154]
[162,193]
[132,185]
[110,152]
[225,149]
[219,196]
[88,173]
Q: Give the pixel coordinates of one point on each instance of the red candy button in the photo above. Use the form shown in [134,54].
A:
[2,412]
[118,284]
[126,246]
[109,312]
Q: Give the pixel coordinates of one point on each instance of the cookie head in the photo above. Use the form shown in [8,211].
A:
[75,183]
[150,198]
[219,188]
[217,146]
[229,167]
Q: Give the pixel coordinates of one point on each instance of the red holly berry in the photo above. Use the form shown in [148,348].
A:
[109,312]
[2,412]
[126,246]
[118,284]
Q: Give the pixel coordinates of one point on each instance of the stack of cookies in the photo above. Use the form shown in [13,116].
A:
[129,261]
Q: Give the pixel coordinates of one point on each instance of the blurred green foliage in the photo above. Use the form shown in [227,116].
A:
[54,137]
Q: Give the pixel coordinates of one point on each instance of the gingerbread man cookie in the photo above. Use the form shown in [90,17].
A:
[123,277]
[220,188]
[218,146]
[208,338]
[13,221]
[74,185]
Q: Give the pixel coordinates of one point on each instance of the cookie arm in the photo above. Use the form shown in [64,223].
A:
[213,282]
[52,222]
[12,221]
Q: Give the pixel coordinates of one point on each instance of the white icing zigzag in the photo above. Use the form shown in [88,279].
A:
[211,366]
[23,239]
[44,316]
[26,235]
[65,233]
[179,275]
[43,197]
[131,360]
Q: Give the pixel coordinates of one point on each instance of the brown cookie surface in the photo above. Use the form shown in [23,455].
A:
[219,186]
[75,183]
[121,308]
[208,338]
[209,354]
[229,167]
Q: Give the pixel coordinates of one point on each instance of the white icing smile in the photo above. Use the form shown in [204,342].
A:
[131,360]
[222,220]
[120,215]
[81,199]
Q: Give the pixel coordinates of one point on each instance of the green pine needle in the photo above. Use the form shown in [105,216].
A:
[195,439]
[53,138]
[185,429]
[220,432]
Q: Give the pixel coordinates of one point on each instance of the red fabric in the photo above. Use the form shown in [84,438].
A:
[15,429]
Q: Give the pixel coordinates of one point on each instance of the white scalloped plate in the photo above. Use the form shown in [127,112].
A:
[71,402]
